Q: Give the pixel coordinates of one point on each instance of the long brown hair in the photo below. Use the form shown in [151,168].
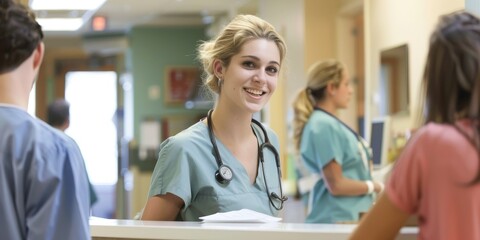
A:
[452,74]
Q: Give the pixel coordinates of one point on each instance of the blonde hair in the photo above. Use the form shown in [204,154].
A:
[229,41]
[319,75]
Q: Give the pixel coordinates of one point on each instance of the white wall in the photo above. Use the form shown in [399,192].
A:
[389,23]
[345,52]
[292,29]
[288,18]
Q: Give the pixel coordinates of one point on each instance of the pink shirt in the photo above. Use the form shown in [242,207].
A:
[430,179]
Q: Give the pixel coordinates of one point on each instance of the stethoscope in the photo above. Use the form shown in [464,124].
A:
[224,174]
[363,149]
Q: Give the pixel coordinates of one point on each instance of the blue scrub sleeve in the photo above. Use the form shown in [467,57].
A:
[56,191]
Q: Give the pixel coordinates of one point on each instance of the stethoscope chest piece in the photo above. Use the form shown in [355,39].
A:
[224,174]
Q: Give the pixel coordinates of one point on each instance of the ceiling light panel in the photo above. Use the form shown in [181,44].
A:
[60,24]
[66,4]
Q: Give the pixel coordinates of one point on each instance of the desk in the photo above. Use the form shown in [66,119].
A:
[110,229]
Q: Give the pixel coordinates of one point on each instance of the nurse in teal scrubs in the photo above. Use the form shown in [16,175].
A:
[226,161]
[331,149]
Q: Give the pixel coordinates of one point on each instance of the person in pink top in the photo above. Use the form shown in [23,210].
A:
[437,176]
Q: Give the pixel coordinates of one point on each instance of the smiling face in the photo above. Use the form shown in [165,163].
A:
[250,79]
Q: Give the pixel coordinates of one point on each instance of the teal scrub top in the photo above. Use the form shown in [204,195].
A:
[324,139]
[186,168]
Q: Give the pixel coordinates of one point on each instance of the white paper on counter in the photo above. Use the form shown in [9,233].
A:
[240,216]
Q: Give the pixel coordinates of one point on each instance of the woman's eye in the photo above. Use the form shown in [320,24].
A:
[249,64]
[272,70]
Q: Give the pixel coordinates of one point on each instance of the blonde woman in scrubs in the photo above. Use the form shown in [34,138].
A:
[331,149]
[216,164]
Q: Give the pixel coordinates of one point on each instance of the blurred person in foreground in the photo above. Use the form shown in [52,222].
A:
[44,195]
[437,176]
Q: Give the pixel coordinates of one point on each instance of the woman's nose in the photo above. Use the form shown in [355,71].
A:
[260,77]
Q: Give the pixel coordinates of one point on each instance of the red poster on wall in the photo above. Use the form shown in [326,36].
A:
[179,83]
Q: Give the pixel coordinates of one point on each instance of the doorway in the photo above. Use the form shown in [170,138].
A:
[93,103]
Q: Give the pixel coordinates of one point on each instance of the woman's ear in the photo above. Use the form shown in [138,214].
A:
[331,88]
[218,68]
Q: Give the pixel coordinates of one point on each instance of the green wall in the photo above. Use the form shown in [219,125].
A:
[152,49]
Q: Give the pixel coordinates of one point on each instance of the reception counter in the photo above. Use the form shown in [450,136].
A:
[110,229]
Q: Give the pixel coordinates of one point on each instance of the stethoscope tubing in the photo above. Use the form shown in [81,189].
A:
[266,144]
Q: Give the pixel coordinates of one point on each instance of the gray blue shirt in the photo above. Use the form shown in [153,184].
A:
[43,183]
[186,168]
[324,139]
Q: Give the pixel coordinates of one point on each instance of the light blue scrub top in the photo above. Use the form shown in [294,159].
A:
[325,139]
[186,168]
[43,184]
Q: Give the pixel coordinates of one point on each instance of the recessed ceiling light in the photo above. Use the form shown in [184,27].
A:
[66,4]
[60,24]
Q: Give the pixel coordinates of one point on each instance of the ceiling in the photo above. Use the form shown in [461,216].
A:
[121,15]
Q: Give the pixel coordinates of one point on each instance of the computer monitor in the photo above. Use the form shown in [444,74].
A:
[380,140]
